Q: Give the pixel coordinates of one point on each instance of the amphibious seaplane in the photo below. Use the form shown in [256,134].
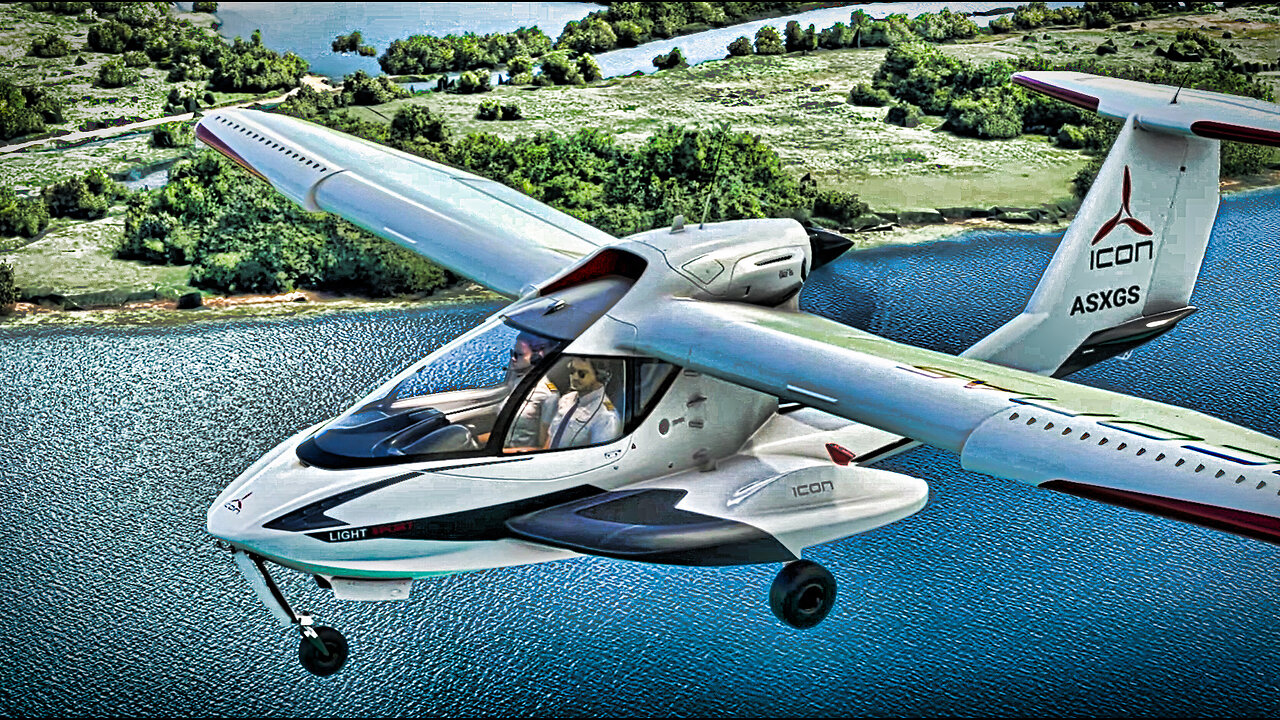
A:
[660,398]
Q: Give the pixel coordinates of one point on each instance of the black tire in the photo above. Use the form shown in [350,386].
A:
[316,662]
[802,594]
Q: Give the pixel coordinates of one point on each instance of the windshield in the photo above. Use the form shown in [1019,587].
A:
[446,403]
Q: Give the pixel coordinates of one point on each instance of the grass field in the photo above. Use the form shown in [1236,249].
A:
[796,104]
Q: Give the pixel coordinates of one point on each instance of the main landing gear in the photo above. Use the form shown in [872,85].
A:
[323,651]
[802,594]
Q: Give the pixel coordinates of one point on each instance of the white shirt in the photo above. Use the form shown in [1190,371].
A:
[589,422]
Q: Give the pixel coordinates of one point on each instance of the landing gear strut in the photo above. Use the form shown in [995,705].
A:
[802,594]
[323,650]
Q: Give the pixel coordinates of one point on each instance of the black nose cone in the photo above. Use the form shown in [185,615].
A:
[827,245]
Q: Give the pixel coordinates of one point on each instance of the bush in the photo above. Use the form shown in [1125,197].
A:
[171,135]
[346,43]
[85,197]
[904,114]
[588,69]
[511,111]
[8,291]
[488,110]
[50,45]
[1070,137]
[25,110]
[474,81]
[673,59]
[360,89]
[768,42]
[24,217]
[204,7]
[842,207]
[110,37]
[136,58]
[740,47]
[558,69]
[989,113]
[114,74]
[868,96]
[519,64]
[367,51]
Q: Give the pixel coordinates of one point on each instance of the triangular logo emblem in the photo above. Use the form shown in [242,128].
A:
[1123,216]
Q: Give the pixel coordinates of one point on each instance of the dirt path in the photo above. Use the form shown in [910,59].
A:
[316,82]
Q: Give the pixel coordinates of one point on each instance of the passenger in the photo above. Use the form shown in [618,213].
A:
[529,427]
[585,416]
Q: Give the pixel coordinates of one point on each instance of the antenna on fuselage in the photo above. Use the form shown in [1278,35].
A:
[715,174]
[1185,75]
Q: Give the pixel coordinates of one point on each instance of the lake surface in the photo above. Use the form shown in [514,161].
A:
[308,29]
[996,599]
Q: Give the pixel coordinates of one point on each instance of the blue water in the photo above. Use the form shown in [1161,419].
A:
[996,599]
[308,29]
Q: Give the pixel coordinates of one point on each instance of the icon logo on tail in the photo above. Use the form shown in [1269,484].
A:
[1123,216]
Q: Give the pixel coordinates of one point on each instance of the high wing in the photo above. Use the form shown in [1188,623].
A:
[1003,422]
[1162,108]
[478,228]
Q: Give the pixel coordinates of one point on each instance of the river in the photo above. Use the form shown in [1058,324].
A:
[996,599]
[307,29]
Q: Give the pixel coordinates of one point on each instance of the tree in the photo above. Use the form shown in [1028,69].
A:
[673,59]
[347,43]
[474,81]
[175,134]
[8,291]
[50,45]
[795,37]
[740,47]
[114,74]
[110,37]
[21,216]
[768,42]
[588,68]
[85,197]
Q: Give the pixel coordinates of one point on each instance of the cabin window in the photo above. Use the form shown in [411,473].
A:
[579,401]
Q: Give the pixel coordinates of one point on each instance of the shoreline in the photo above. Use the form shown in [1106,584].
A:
[149,313]
[299,303]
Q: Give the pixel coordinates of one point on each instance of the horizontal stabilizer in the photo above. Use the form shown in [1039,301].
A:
[1162,108]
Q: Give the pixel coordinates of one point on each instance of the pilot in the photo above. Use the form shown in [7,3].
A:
[585,416]
[529,427]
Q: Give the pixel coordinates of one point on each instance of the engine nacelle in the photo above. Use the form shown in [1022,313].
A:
[761,262]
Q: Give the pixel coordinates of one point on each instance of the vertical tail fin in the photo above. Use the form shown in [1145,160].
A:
[1125,269]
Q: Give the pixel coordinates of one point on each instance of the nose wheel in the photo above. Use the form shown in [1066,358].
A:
[802,594]
[323,650]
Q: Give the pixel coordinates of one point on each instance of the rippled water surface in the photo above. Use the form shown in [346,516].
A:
[996,599]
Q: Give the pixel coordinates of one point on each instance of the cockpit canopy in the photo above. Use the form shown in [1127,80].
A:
[504,387]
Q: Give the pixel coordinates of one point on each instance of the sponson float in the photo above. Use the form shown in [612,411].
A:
[661,398]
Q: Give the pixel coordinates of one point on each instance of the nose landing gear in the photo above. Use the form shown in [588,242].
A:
[323,650]
[802,594]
